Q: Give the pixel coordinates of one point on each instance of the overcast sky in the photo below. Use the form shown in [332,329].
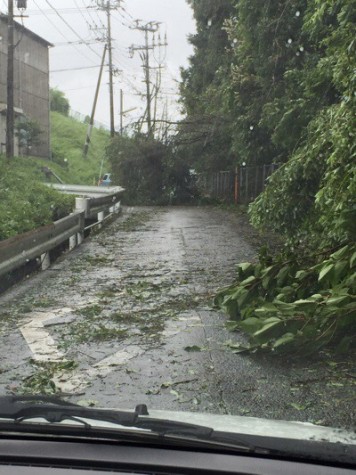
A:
[87,22]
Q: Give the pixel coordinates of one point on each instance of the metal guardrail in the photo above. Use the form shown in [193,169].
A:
[84,190]
[18,250]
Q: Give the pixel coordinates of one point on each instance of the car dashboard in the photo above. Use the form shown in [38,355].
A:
[39,457]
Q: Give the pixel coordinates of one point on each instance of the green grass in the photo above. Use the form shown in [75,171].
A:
[25,203]
[67,142]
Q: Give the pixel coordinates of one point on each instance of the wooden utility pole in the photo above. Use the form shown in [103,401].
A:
[108,6]
[147,80]
[151,27]
[111,71]
[91,123]
[156,95]
[10,116]
[121,112]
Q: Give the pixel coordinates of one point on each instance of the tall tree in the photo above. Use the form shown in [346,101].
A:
[59,102]
[205,133]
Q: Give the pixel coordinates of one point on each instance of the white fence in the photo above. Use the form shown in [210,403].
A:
[85,119]
[18,250]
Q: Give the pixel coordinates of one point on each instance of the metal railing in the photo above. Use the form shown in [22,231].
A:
[84,190]
[19,250]
[242,185]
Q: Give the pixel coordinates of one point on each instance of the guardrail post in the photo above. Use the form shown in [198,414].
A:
[101,216]
[82,204]
[72,242]
[80,234]
[45,261]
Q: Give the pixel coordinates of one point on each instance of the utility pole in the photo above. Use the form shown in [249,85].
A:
[121,112]
[111,72]
[10,114]
[151,27]
[91,123]
[146,57]
[108,6]
[157,90]
[10,82]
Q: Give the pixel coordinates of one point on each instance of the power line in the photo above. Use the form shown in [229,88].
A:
[73,69]
[78,88]
[81,13]
[126,24]
[63,11]
[71,43]
[92,25]
[70,27]
[61,33]
[99,18]
[89,13]
[127,13]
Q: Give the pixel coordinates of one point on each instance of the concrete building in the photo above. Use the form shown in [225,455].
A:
[31,88]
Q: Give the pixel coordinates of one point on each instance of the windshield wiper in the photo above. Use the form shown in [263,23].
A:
[55,410]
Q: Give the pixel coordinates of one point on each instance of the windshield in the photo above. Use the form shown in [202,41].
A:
[177,206]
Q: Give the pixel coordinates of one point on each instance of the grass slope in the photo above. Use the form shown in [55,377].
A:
[67,142]
[25,203]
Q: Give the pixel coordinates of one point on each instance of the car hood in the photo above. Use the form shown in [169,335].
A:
[239,425]
[261,427]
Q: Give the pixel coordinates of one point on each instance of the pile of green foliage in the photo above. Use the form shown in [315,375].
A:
[148,170]
[288,306]
[305,298]
[25,203]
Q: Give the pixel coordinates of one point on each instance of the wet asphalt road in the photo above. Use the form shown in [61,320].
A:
[127,318]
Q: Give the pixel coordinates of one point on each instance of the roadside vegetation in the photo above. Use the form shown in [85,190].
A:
[274,83]
[67,143]
[150,172]
[25,202]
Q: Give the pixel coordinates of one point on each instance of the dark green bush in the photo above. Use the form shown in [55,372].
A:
[26,203]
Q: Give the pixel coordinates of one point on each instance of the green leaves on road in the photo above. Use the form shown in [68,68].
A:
[285,308]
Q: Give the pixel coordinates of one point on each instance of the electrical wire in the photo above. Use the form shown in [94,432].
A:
[89,13]
[71,28]
[61,33]
[127,13]
[93,86]
[91,26]
[74,69]
[63,11]
[81,13]
[99,18]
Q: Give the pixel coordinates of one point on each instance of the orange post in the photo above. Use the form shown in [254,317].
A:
[236,186]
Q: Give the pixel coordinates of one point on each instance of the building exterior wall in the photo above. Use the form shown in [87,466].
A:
[31,83]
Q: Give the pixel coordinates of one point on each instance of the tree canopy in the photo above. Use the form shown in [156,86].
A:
[59,102]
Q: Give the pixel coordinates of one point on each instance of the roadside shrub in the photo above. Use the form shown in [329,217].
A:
[137,164]
[25,203]
[149,171]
